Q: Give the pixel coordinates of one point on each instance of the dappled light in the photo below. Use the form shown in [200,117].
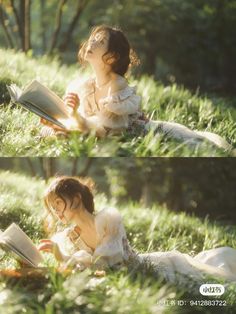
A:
[153,228]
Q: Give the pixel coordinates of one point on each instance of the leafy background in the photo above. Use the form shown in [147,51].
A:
[131,289]
[186,74]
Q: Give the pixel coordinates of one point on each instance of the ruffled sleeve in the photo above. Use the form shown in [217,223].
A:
[124,102]
[110,233]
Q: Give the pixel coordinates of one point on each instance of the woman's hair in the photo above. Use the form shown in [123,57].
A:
[118,48]
[67,188]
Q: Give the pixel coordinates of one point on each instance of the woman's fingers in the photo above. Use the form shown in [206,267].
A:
[71,105]
[43,247]
[43,121]
[51,125]
[71,100]
[46,122]
[46,247]
[72,96]
[46,240]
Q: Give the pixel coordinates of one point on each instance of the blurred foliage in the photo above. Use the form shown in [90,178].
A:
[204,187]
[167,103]
[190,42]
[199,186]
[18,205]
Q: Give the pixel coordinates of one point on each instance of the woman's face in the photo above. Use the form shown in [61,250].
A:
[97,46]
[63,210]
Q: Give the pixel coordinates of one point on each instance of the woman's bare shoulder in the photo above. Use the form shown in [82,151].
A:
[108,221]
[108,214]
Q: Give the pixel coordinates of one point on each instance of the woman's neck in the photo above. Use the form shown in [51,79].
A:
[86,223]
[84,219]
[102,77]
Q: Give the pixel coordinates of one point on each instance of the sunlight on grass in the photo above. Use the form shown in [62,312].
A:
[128,290]
[20,130]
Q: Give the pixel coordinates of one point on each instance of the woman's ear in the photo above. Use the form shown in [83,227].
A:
[76,202]
[111,58]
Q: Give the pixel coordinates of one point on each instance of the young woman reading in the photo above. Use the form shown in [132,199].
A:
[100,239]
[106,103]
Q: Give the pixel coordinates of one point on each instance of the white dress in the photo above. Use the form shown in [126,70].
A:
[113,250]
[122,111]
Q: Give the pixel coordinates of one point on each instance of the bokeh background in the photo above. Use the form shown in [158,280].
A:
[188,42]
[202,186]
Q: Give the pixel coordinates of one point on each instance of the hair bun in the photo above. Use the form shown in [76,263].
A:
[88,182]
[134,59]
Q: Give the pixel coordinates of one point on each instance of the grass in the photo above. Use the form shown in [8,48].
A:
[19,130]
[132,289]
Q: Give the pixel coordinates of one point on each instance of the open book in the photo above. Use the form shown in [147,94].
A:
[42,101]
[15,240]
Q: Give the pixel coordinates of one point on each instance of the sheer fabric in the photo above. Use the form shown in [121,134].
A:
[122,111]
[113,250]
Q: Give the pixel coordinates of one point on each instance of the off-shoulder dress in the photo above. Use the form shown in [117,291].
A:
[113,250]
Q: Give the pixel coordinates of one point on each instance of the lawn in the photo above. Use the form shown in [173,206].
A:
[128,290]
[19,135]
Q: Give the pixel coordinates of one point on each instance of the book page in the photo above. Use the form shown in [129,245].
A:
[6,246]
[45,99]
[14,91]
[16,238]
[40,113]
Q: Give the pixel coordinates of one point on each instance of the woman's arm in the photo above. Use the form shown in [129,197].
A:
[110,232]
[92,124]
[49,246]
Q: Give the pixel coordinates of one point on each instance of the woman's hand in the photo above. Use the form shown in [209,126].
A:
[49,246]
[72,101]
[51,125]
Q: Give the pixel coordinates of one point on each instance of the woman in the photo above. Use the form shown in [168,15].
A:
[100,239]
[107,104]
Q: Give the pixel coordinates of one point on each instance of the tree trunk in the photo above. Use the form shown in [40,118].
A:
[48,166]
[68,34]
[42,25]
[74,167]
[5,28]
[31,166]
[146,197]
[22,22]
[57,25]
[18,23]
[27,44]
[226,68]
[88,164]
[175,190]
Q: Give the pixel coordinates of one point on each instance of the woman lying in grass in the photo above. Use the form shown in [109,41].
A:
[100,239]
[107,104]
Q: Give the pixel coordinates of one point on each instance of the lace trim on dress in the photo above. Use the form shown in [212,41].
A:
[120,95]
[77,242]
[89,88]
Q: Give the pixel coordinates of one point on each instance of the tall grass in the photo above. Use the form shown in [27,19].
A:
[19,130]
[128,290]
